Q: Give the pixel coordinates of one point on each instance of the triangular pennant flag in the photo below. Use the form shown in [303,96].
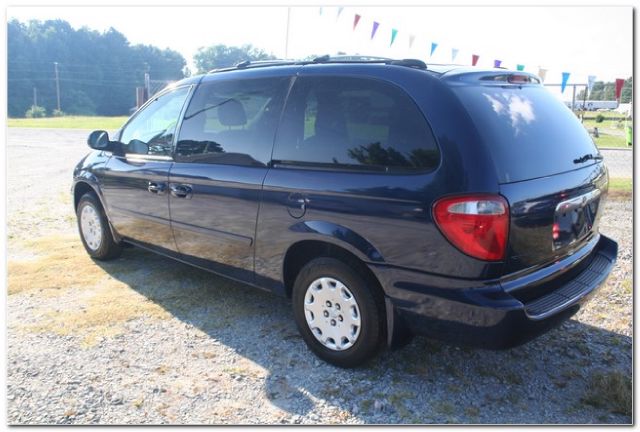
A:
[565,79]
[356,20]
[542,73]
[433,48]
[411,39]
[496,63]
[619,85]
[340,9]
[394,33]
[454,54]
[374,29]
[591,79]
[520,67]
[474,59]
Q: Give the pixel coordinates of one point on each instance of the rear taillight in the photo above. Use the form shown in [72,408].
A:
[478,225]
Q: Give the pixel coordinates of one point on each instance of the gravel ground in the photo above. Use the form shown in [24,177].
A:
[146,340]
[619,162]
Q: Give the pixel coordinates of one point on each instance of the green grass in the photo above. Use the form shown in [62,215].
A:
[621,185]
[69,122]
[605,114]
[616,125]
[612,133]
[611,141]
[620,188]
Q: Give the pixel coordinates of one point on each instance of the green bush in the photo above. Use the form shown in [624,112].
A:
[35,111]
[58,113]
[599,118]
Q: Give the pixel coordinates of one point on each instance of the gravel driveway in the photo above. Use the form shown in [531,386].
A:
[147,340]
[619,162]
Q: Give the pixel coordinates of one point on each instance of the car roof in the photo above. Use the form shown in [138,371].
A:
[280,67]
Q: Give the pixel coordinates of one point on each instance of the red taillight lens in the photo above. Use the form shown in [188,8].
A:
[478,225]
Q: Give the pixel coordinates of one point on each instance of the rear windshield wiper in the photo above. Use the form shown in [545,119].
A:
[587,157]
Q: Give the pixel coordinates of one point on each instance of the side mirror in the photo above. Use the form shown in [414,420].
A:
[138,147]
[99,140]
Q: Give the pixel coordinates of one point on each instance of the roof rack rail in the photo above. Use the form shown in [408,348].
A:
[322,59]
[414,63]
[326,59]
[256,63]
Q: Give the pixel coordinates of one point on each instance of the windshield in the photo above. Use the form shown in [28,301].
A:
[529,132]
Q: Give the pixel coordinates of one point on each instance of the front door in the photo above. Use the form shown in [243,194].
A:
[136,183]
[221,160]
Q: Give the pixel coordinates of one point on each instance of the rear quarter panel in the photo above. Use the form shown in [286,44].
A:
[392,212]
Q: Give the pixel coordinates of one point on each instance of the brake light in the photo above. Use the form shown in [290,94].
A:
[478,225]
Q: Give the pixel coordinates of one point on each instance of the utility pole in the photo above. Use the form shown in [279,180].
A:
[286,42]
[584,103]
[147,83]
[35,97]
[55,65]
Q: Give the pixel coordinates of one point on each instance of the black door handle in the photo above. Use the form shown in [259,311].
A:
[297,205]
[181,190]
[157,188]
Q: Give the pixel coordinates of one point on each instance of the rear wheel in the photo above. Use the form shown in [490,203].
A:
[94,229]
[340,318]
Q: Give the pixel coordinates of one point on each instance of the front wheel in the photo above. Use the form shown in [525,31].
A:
[340,318]
[94,229]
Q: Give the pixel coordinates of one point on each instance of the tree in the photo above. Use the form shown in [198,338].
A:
[607,91]
[98,72]
[221,56]
[627,91]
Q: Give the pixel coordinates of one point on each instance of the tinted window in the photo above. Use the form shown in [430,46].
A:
[354,123]
[151,130]
[528,131]
[232,122]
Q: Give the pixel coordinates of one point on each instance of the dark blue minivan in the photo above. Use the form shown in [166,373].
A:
[385,197]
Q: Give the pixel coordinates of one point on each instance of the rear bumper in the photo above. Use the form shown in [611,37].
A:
[498,314]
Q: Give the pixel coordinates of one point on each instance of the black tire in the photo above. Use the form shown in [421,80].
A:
[108,248]
[370,303]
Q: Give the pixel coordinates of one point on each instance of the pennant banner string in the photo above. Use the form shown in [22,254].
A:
[433,48]
[565,79]
[374,29]
[474,57]
[394,33]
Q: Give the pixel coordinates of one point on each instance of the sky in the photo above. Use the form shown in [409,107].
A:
[581,40]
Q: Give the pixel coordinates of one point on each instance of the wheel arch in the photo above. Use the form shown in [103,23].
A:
[81,187]
[301,252]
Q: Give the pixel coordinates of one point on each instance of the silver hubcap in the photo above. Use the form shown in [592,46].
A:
[332,313]
[91,227]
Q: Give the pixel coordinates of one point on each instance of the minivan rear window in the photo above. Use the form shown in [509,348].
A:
[349,123]
[528,131]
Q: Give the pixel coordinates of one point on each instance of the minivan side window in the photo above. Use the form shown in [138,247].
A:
[151,130]
[354,124]
[232,122]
